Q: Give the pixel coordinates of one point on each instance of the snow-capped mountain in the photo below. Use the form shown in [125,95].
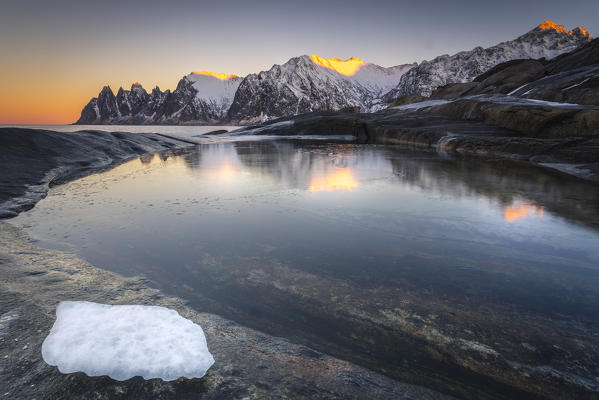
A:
[547,40]
[200,97]
[310,83]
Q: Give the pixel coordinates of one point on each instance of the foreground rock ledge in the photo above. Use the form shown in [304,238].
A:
[249,364]
[31,160]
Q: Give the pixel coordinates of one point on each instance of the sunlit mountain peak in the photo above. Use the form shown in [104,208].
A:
[561,29]
[345,67]
[221,75]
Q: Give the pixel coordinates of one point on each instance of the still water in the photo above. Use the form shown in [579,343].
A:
[401,261]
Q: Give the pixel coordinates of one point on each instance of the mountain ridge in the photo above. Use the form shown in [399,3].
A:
[547,40]
[312,83]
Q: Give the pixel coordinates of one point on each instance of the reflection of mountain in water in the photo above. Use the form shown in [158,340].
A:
[512,186]
[519,190]
[292,164]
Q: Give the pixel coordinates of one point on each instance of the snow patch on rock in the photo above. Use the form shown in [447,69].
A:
[124,341]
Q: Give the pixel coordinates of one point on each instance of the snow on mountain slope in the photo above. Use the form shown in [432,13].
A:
[380,79]
[547,40]
[310,83]
[216,90]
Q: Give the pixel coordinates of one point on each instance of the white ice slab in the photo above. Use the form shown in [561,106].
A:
[126,341]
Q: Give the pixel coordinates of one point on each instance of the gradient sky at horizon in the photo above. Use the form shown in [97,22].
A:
[57,55]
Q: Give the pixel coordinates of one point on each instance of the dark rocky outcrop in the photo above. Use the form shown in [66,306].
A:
[133,106]
[528,119]
[501,79]
[32,159]
[539,134]
[314,124]
[185,105]
[131,102]
[213,133]
[107,106]
[571,78]
[414,98]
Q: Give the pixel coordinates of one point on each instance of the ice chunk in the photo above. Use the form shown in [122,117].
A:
[126,341]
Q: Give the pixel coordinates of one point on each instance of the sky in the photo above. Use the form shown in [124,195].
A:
[58,54]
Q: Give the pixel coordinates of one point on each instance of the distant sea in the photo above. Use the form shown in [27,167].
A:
[181,130]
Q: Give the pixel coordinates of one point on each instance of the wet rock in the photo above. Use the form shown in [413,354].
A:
[529,120]
[415,98]
[320,123]
[213,133]
[501,79]
[32,159]
[482,126]
[249,364]
[351,109]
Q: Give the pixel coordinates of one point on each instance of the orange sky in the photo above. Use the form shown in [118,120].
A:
[57,93]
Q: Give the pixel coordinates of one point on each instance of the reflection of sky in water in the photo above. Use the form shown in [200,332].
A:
[516,212]
[362,214]
[335,179]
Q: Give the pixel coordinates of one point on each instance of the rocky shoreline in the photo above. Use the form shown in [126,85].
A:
[428,128]
[32,160]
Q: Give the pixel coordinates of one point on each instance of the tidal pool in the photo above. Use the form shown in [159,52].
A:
[466,275]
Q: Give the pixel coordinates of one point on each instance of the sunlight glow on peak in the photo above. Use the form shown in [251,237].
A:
[561,29]
[552,25]
[341,179]
[345,67]
[221,75]
[136,83]
[514,213]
